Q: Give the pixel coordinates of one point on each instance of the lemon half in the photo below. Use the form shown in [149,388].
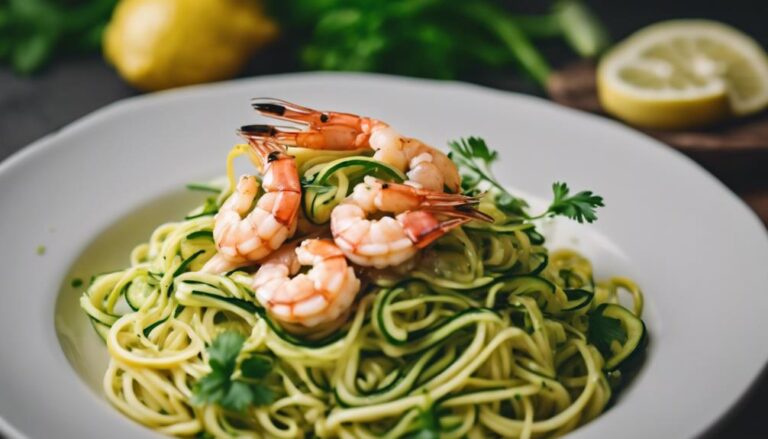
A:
[682,74]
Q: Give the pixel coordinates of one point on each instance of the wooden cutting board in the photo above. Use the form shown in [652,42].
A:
[735,151]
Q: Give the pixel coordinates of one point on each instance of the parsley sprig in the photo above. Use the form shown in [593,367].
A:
[603,330]
[428,425]
[474,158]
[580,207]
[31,31]
[435,38]
[220,387]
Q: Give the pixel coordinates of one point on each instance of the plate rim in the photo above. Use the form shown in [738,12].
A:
[49,141]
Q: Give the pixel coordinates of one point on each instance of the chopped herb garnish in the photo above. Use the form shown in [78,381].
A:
[428,425]
[604,330]
[34,31]
[256,367]
[40,250]
[76,282]
[219,386]
[431,38]
[580,207]
[474,159]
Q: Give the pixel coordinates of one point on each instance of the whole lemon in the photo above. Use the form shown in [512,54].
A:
[159,44]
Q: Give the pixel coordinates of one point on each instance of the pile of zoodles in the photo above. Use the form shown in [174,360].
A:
[483,332]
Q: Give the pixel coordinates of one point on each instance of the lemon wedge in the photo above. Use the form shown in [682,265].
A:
[159,44]
[682,74]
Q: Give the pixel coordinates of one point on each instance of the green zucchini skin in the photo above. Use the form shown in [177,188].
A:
[544,291]
[136,292]
[320,197]
[101,329]
[578,298]
[261,312]
[485,312]
[637,336]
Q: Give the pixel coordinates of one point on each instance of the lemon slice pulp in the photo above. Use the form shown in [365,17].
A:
[684,73]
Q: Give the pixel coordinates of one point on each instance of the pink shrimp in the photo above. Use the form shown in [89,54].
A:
[426,166]
[243,237]
[320,297]
[423,216]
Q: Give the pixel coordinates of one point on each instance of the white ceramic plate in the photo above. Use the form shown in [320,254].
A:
[91,191]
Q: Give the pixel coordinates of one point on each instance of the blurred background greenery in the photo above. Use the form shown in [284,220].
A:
[54,51]
[61,59]
[34,31]
[430,38]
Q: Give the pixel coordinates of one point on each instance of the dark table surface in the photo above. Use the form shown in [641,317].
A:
[74,86]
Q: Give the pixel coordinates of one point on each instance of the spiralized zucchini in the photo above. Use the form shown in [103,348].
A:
[485,333]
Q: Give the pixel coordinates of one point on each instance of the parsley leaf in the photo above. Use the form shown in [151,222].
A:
[580,207]
[219,386]
[223,352]
[261,395]
[432,38]
[256,367]
[210,388]
[474,159]
[31,31]
[428,427]
[237,397]
[604,330]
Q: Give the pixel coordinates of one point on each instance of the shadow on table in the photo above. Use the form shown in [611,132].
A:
[745,418]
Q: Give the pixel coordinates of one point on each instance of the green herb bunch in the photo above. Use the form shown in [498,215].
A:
[32,30]
[429,38]
[225,388]
[434,38]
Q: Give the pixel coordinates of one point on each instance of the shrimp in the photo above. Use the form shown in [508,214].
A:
[427,167]
[320,297]
[241,236]
[391,241]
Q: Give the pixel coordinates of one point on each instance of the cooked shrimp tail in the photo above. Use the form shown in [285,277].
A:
[466,211]
[241,236]
[256,131]
[422,217]
[396,197]
[425,165]
[333,138]
[288,111]
[423,227]
[281,109]
[319,297]
[324,129]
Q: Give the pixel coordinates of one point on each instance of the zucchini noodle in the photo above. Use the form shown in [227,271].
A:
[484,333]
